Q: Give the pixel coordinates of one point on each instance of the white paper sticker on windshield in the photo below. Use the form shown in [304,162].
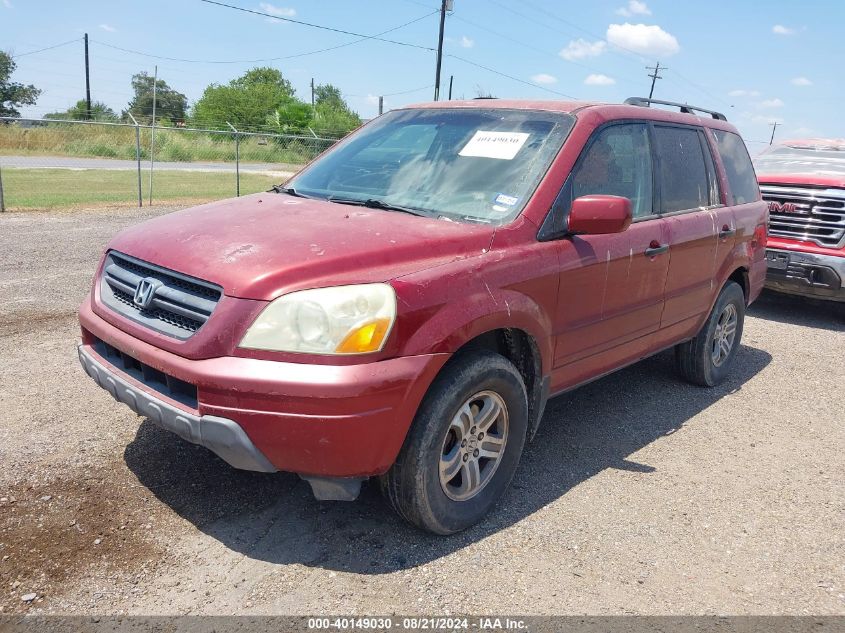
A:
[487,144]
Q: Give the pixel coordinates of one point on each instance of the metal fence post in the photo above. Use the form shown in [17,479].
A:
[237,160]
[138,157]
[2,199]
[153,134]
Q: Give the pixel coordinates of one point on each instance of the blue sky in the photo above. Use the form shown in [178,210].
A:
[758,64]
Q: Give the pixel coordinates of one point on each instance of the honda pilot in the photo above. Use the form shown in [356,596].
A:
[403,307]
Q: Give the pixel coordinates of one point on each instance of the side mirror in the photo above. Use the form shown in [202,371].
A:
[599,214]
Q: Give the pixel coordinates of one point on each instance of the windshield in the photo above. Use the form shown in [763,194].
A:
[785,159]
[471,164]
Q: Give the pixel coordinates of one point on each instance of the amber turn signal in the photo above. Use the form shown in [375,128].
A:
[365,338]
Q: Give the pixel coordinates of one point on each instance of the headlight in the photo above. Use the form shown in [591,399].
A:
[339,320]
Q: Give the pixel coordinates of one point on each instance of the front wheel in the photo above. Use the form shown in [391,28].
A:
[706,359]
[464,445]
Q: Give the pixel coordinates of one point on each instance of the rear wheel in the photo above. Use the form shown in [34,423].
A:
[464,446]
[706,359]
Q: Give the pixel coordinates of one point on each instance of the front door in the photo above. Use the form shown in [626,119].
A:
[611,286]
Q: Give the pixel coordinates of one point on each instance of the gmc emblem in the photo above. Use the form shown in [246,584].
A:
[782,207]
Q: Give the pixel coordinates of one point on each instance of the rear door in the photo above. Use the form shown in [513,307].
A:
[689,194]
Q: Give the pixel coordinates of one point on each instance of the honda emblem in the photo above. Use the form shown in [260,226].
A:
[145,292]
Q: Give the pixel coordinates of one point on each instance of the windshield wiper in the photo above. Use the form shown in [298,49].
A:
[374,203]
[288,190]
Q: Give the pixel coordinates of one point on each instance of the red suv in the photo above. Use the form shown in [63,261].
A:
[405,305]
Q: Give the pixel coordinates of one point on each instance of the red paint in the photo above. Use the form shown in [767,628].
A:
[592,303]
[597,214]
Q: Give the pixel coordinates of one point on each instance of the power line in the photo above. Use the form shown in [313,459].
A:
[501,74]
[315,26]
[269,59]
[532,47]
[46,48]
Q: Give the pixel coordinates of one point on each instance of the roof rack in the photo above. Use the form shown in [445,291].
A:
[685,108]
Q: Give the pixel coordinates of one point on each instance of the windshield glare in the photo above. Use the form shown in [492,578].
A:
[467,164]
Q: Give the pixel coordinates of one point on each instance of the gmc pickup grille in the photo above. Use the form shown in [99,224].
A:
[807,214]
[173,304]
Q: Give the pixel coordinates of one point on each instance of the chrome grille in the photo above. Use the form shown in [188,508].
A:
[804,213]
[179,305]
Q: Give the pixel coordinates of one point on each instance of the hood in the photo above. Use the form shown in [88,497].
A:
[268,244]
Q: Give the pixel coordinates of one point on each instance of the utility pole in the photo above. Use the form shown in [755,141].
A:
[451,79]
[380,106]
[87,82]
[445,5]
[654,77]
[774,125]
[312,93]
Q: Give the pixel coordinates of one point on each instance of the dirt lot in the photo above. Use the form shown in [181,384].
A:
[640,494]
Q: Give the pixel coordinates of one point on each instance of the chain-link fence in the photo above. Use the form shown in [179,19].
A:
[49,164]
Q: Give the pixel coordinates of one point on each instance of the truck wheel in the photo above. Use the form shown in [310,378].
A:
[706,359]
[463,447]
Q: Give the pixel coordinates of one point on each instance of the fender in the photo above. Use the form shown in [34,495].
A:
[457,322]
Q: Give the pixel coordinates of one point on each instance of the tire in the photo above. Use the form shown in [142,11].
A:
[696,359]
[460,401]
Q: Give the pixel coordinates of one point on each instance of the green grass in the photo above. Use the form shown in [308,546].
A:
[57,139]
[49,189]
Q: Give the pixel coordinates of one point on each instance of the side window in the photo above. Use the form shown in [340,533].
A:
[715,191]
[738,166]
[618,162]
[683,173]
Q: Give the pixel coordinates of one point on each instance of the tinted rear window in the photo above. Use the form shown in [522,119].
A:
[738,166]
[683,174]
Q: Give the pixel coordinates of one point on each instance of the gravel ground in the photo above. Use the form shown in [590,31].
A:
[640,494]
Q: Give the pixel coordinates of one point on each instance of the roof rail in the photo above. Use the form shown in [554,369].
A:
[685,108]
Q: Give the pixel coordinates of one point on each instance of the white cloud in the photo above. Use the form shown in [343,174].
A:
[801,81]
[744,93]
[766,120]
[7,4]
[803,131]
[543,78]
[466,42]
[634,8]
[280,12]
[648,40]
[579,49]
[108,27]
[771,103]
[372,99]
[599,80]
[780,29]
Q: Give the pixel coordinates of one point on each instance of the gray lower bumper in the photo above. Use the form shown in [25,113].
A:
[222,436]
[806,274]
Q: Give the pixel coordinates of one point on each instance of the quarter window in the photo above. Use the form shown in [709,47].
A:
[738,166]
[618,163]
[683,174]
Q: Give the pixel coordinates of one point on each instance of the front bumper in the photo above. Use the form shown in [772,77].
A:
[806,274]
[315,420]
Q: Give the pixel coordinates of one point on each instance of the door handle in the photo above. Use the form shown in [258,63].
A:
[726,232]
[656,249]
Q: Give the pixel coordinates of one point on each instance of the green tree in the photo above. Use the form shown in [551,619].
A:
[245,102]
[292,117]
[13,94]
[170,104]
[329,96]
[332,116]
[77,112]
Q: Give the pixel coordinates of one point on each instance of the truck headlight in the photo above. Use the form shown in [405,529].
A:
[339,320]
